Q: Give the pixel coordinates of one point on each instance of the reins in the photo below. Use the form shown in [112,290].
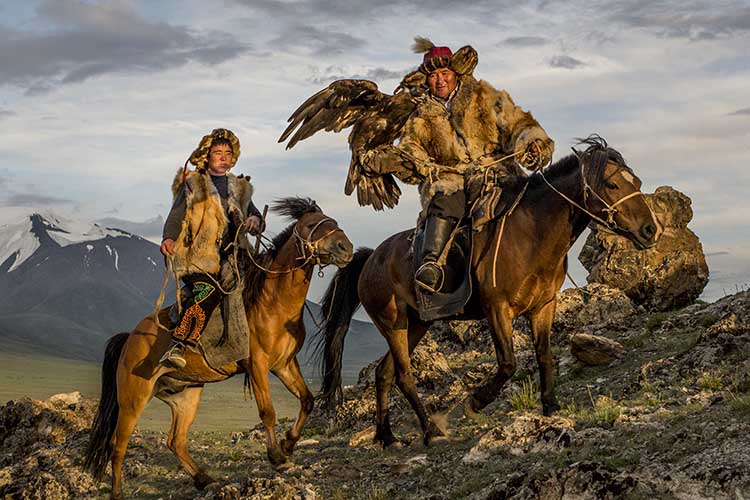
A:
[308,248]
[304,245]
[611,210]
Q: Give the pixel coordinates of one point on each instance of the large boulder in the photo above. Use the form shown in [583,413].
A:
[595,350]
[670,275]
[593,304]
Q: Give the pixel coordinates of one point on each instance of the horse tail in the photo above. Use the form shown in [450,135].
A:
[99,451]
[340,302]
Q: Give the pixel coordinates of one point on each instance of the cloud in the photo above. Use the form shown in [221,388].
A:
[7,113]
[567,62]
[526,41]
[81,41]
[695,20]
[743,111]
[34,200]
[332,73]
[308,39]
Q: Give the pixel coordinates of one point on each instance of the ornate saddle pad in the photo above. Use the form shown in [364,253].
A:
[226,336]
[457,289]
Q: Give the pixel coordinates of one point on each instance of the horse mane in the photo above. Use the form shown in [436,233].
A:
[293,208]
[596,156]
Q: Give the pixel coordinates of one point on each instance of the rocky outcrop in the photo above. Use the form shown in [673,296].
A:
[527,433]
[593,304]
[595,350]
[279,488]
[42,443]
[668,276]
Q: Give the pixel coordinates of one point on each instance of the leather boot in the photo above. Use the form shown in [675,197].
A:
[429,275]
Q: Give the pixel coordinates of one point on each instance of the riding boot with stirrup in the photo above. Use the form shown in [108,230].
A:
[430,275]
[173,357]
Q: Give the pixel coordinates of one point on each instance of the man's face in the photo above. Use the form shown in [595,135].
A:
[220,159]
[442,82]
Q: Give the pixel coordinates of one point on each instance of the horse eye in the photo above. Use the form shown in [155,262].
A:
[611,185]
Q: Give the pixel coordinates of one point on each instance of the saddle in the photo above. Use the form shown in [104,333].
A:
[493,204]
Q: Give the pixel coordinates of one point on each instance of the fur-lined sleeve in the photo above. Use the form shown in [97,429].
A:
[409,161]
[520,128]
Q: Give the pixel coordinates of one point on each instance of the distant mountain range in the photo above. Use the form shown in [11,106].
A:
[68,286]
[151,228]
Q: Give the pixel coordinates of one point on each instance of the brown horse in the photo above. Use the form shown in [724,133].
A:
[274,301]
[530,268]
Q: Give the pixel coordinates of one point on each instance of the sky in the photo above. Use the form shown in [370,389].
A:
[102,101]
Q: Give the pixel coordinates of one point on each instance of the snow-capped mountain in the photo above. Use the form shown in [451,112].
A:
[24,233]
[69,285]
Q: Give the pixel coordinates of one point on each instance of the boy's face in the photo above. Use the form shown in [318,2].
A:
[220,159]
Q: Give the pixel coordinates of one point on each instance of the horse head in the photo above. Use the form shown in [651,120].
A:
[319,238]
[612,193]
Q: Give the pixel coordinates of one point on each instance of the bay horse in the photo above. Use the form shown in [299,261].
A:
[530,265]
[277,282]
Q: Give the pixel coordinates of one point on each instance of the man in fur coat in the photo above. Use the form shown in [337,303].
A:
[210,206]
[462,126]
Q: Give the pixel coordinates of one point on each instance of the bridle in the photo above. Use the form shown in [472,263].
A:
[610,209]
[309,249]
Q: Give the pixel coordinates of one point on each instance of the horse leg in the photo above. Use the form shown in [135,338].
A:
[541,325]
[384,377]
[184,406]
[133,393]
[399,344]
[259,378]
[501,327]
[291,377]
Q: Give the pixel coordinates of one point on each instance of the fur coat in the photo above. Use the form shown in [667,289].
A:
[480,125]
[206,220]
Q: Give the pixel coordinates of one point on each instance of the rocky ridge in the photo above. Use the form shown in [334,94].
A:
[669,419]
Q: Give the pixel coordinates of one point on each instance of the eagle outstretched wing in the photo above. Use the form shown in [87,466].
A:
[377,120]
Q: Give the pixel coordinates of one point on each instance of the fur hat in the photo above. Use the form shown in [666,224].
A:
[463,61]
[199,158]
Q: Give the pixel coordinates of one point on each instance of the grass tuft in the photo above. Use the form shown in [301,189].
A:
[711,381]
[654,321]
[740,404]
[524,399]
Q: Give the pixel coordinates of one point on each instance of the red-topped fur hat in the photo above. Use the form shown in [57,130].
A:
[462,62]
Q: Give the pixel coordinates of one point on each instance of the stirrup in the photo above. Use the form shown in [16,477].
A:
[426,286]
[173,357]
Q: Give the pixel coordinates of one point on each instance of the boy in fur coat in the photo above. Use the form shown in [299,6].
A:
[210,205]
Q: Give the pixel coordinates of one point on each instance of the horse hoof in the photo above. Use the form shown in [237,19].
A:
[201,480]
[287,446]
[284,467]
[391,443]
[276,457]
[470,411]
[550,409]
[394,445]
[436,441]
